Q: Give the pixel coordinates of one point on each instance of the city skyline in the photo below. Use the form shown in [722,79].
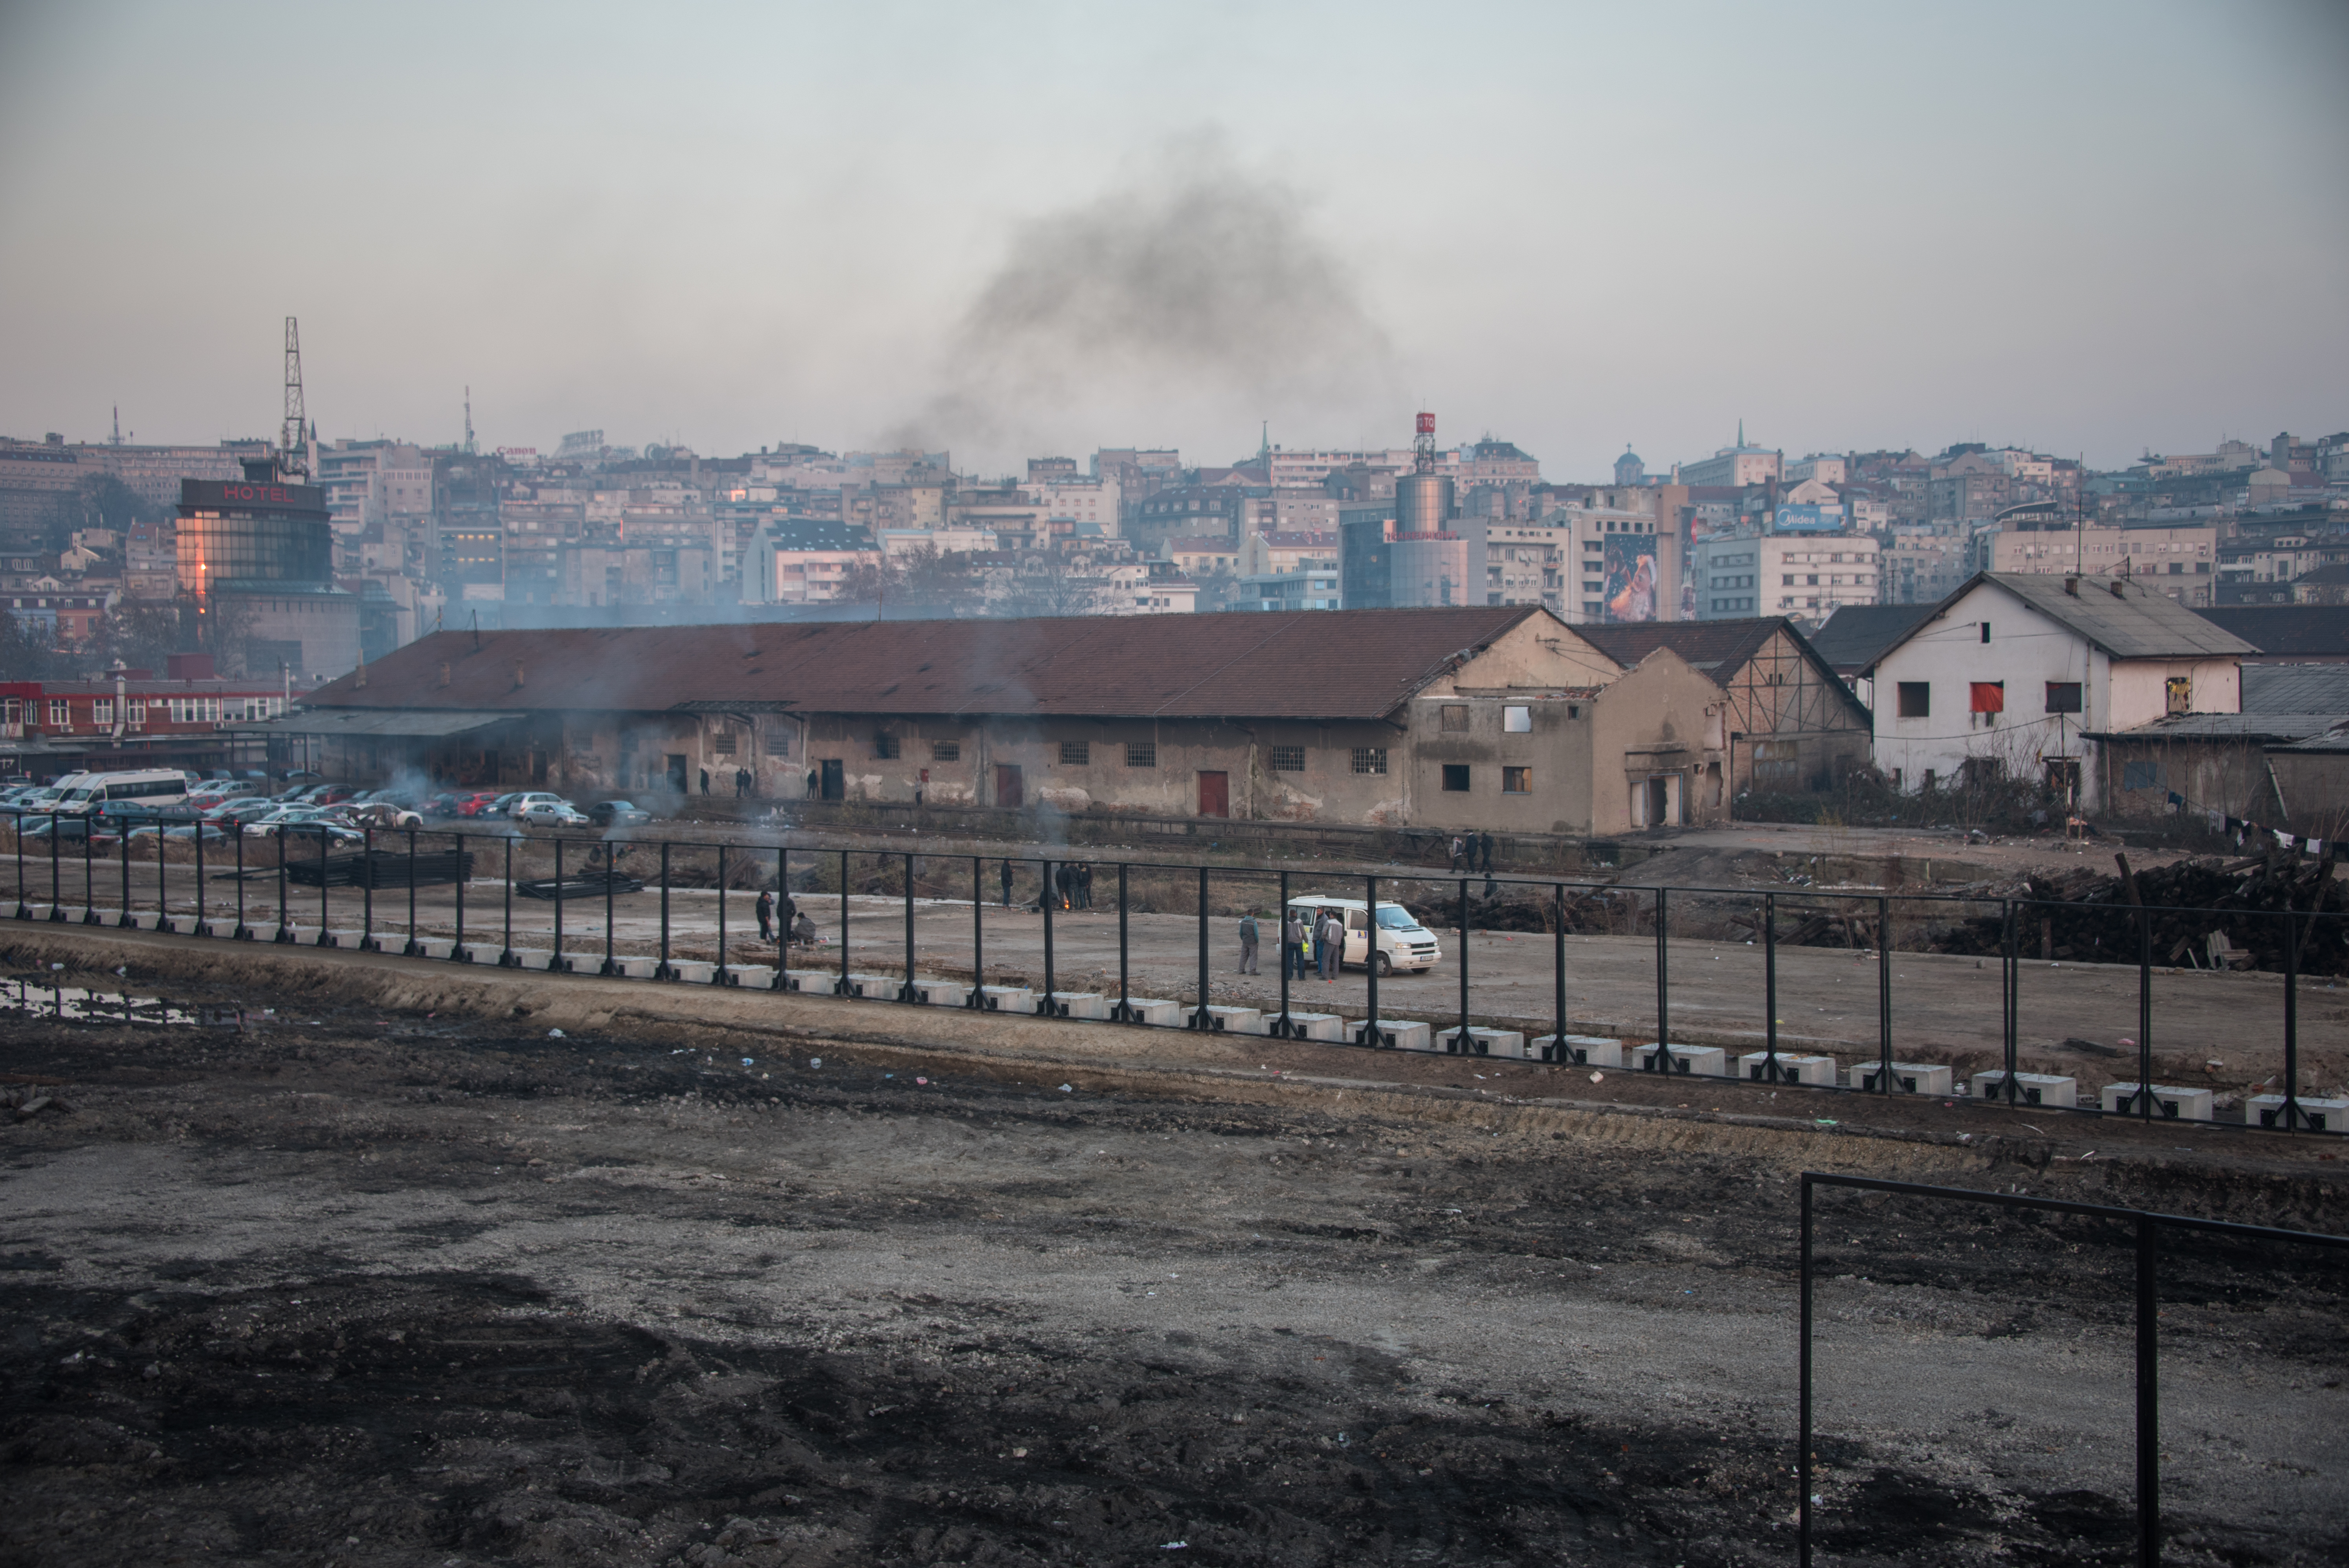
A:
[2093,232]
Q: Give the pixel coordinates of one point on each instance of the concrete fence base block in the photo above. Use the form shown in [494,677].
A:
[874,987]
[1483,1042]
[1152,1010]
[1392,1035]
[693,971]
[1223,1020]
[1907,1078]
[629,968]
[2314,1114]
[145,920]
[2030,1089]
[1691,1061]
[221,928]
[754,976]
[940,992]
[2172,1102]
[813,982]
[1821,1072]
[1007,999]
[1576,1050]
[1311,1026]
[1080,1005]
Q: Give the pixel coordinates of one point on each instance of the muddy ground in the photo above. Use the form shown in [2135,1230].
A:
[384,1285]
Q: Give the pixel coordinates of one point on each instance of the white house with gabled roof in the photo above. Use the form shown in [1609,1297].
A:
[2011,673]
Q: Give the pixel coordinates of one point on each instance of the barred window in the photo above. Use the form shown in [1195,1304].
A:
[946,751]
[1370,760]
[778,741]
[723,743]
[1142,754]
[1287,759]
[1076,753]
[884,746]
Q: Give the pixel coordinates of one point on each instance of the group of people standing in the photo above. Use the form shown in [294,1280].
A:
[1468,850]
[1074,883]
[1319,943]
[784,916]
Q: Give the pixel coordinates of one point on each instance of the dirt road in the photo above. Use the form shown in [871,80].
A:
[375,1284]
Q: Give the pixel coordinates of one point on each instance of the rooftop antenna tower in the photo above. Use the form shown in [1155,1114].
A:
[1422,446]
[292,460]
[469,421]
[117,439]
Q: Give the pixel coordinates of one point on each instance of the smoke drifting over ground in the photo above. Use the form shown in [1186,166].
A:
[1192,289]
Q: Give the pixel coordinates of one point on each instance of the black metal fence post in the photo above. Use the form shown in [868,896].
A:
[1282,1026]
[2149,1402]
[160,913]
[1557,978]
[1199,1019]
[366,892]
[1883,999]
[1045,1004]
[458,950]
[978,934]
[1370,897]
[555,962]
[162,878]
[663,970]
[507,957]
[284,927]
[2144,1010]
[722,976]
[611,875]
[1803,1371]
[1664,984]
[1125,1014]
[56,868]
[2292,1012]
[413,948]
[843,922]
[162,917]
[89,915]
[782,981]
[2011,997]
[326,936]
[1769,987]
[1463,1042]
[907,994]
[16,823]
[243,933]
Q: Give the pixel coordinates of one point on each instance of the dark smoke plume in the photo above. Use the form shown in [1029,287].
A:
[1193,281]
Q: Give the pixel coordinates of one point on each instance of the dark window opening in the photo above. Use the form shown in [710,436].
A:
[1455,775]
[1916,699]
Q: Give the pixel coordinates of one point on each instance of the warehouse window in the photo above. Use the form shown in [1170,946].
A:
[946,751]
[2062,697]
[1142,754]
[1916,699]
[1516,780]
[884,746]
[723,742]
[2180,689]
[1076,753]
[1455,716]
[1518,720]
[1370,760]
[1286,759]
[1455,777]
[2140,775]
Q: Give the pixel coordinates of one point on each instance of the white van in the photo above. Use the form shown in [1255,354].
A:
[154,787]
[1403,942]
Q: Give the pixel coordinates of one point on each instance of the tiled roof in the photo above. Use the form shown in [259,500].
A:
[2125,618]
[1317,663]
[1719,648]
[1855,634]
[2296,688]
[2321,630]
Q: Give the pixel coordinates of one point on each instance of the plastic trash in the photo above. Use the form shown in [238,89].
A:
[750,1061]
[1597,1077]
[815,1061]
[1066,1089]
[554,1033]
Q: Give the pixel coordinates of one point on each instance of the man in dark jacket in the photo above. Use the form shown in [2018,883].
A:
[1485,849]
[1085,885]
[1249,940]
[766,908]
[705,780]
[1006,884]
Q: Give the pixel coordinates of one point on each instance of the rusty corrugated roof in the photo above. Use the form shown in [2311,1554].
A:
[1310,664]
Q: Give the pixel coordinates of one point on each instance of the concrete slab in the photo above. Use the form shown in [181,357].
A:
[1483,1042]
[1579,1050]
[812,982]
[1080,1005]
[1007,998]
[1393,1035]
[875,987]
[1153,1010]
[1821,1072]
[1907,1078]
[693,971]
[1327,1027]
[757,976]
[1224,1020]
[2173,1102]
[1695,1061]
[941,992]
[630,968]
[2031,1088]
[2316,1115]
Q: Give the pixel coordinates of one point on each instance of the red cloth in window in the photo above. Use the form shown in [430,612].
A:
[1990,696]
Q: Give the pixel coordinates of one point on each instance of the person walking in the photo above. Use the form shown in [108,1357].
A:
[1247,944]
[766,909]
[1329,943]
[1292,945]
[1006,884]
[705,780]
[1085,885]
[811,784]
[1459,851]
[1484,844]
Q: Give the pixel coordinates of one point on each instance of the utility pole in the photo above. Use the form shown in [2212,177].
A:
[469,421]
[293,461]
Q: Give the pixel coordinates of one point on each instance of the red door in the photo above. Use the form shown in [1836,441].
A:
[1215,794]
[1008,789]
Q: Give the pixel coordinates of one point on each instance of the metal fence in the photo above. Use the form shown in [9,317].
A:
[398,863]
[2145,1230]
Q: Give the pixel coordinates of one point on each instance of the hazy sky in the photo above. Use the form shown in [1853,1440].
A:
[1017,228]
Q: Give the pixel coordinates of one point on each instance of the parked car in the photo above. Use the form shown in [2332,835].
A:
[549,811]
[210,832]
[379,814]
[618,814]
[503,805]
[474,802]
[266,823]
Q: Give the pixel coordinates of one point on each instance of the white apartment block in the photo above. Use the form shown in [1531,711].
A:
[1826,468]
[1808,576]
[1077,497]
[2181,563]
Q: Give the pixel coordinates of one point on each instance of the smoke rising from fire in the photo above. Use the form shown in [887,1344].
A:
[1193,287]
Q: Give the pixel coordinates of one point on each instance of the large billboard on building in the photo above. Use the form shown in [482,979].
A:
[1808,519]
[1631,583]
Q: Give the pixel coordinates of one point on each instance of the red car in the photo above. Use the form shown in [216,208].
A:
[470,801]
